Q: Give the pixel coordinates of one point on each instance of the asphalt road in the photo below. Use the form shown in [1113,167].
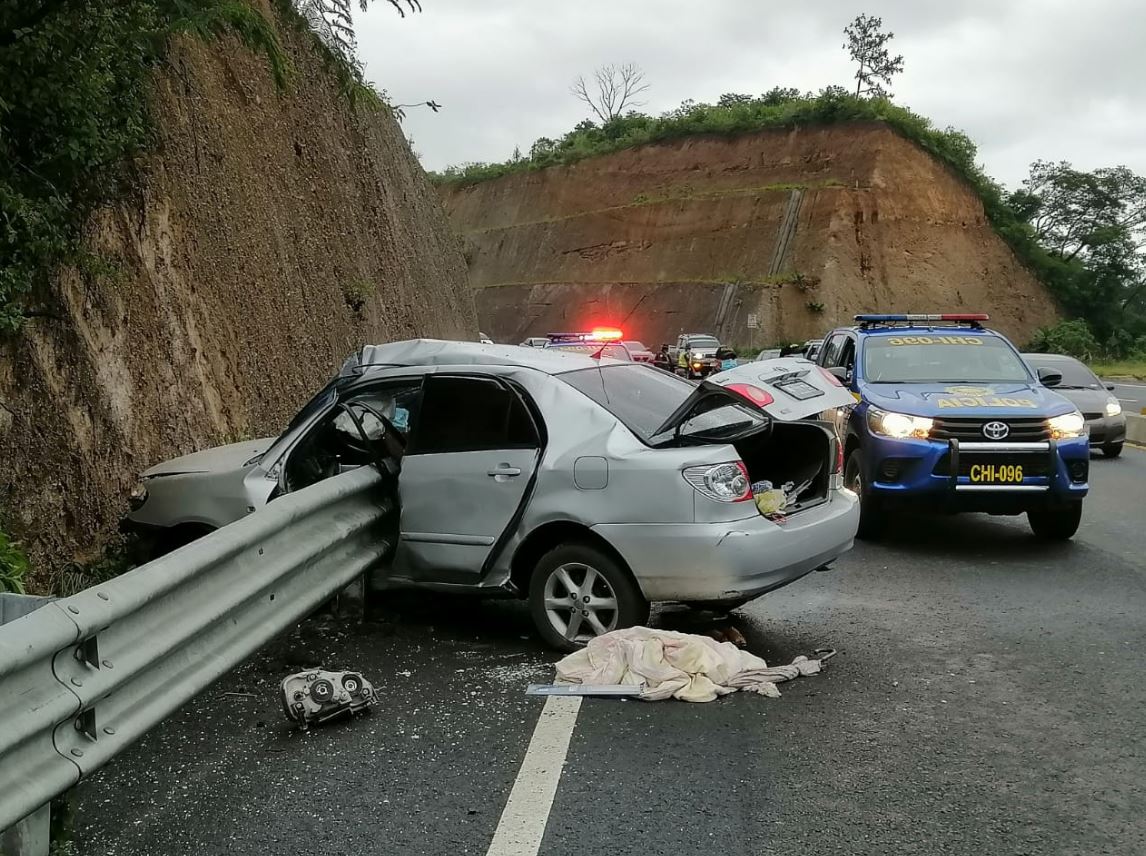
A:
[1132,395]
[989,697]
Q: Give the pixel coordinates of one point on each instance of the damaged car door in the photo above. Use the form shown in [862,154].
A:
[467,471]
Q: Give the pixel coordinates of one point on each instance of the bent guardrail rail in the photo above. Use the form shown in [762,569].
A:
[83,677]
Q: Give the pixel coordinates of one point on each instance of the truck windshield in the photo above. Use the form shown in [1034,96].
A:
[643,398]
[703,342]
[942,358]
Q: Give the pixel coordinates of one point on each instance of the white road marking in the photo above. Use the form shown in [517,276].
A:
[526,812]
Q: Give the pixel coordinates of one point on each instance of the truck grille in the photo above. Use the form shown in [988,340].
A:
[1024,429]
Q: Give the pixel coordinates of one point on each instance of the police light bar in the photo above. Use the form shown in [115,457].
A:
[967,316]
[599,334]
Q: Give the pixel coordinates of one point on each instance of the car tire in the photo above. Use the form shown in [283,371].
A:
[1058,524]
[1112,450]
[548,589]
[873,519]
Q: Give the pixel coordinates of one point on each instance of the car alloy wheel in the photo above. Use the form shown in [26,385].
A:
[579,602]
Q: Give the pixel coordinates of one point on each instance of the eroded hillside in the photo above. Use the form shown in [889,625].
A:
[800,228]
[273,231]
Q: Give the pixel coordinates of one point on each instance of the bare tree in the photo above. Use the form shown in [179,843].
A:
[333,21]
[867,44]
[615,88]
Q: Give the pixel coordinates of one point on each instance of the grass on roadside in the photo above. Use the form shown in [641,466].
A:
[1132,368]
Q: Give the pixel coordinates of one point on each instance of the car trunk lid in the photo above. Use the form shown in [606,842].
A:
[795,388]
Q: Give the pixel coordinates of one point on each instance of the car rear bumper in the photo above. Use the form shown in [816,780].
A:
[730,561]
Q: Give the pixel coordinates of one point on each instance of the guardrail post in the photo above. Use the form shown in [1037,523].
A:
[32,835]
[350,603]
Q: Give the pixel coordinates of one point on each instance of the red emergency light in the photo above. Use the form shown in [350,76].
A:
[606,334]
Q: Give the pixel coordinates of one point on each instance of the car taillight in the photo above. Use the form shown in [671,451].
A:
[758,396]
[723,482]
[839,468]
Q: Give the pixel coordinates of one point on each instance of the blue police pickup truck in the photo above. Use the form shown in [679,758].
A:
[949,417]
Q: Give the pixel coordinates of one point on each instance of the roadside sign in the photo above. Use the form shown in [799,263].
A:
[753,321]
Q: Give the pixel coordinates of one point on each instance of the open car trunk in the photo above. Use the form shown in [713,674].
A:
[795,457]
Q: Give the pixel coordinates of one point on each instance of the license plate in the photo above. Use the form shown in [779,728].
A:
[996,474]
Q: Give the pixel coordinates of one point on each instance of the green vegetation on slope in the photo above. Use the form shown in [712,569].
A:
[74,112]
[1070,279]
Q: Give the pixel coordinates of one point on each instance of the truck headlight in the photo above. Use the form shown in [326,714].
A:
[138,495]
[899,426]
[1113,408]
[1066,426]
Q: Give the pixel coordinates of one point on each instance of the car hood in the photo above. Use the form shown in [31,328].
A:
[702,352]
[219,459]
[799,389]
[966,399]
[1086,400]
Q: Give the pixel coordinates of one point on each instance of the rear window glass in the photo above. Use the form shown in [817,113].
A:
[643,398]
[941,358]
[1074,374]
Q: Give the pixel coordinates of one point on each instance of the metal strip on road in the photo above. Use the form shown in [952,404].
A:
[526,813]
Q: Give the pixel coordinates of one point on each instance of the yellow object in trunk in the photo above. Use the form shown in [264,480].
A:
[771,501]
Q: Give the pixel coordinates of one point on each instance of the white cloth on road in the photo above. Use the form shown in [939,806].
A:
[684,666]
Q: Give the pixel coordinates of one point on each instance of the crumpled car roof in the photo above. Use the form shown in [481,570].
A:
[439,352]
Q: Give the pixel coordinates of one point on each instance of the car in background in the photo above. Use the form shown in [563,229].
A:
[534,342]
[639,352]
[590,488]
[768,354]
[949,417]
[599,343]
[484,339]
[694,355]
[1082,387]
[812,349]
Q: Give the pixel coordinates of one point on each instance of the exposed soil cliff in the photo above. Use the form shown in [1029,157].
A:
[272,233]
[801,229]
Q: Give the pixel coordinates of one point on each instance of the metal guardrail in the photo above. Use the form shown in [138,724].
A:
[83,677]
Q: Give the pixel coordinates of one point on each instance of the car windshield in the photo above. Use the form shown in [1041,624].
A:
[1074,374]
[942,358]
[703,342]
[613,352]
[643,398]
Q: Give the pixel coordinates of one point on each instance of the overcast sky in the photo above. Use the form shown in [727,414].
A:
[1027,79]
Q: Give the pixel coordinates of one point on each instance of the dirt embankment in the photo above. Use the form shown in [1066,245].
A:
[800,229]
[272,233]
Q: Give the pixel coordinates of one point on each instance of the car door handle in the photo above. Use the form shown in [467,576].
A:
[504,470]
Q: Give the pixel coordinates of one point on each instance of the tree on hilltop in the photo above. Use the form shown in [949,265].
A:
[867,45]
[614,88]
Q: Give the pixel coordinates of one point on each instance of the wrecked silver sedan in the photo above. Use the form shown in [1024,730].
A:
[589,487]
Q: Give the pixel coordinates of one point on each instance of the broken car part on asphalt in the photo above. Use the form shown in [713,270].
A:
[316,695]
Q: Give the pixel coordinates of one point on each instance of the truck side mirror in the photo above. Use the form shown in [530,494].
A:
[1049,377]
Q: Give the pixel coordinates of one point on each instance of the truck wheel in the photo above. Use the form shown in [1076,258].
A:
[873,518]
[578,592]
[1112,450]
[1058,524]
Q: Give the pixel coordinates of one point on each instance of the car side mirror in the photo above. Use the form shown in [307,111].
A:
[841,372]
[1049,377]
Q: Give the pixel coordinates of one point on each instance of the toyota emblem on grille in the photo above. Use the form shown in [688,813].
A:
[996,430]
